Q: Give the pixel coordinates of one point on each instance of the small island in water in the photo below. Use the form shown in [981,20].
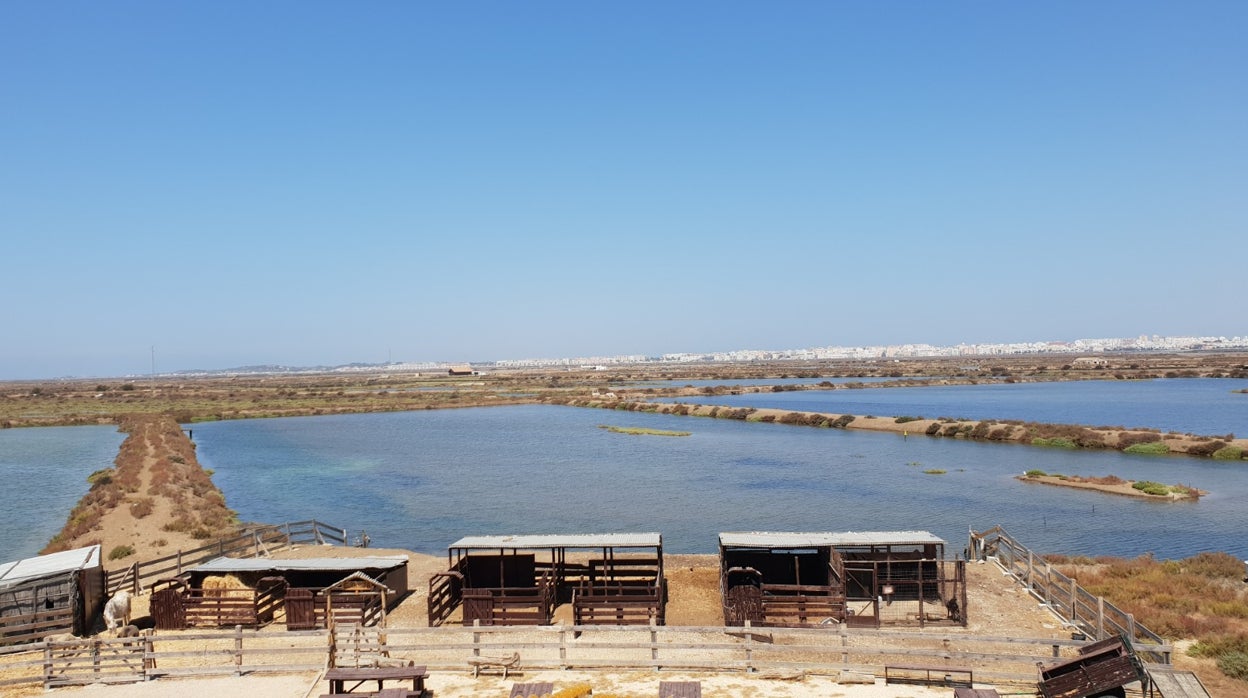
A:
[643,431]
[1115,485]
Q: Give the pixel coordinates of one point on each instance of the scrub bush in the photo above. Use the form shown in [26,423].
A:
[1151,448]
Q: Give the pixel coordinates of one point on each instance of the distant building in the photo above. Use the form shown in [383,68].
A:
[462,370]
[1089,362]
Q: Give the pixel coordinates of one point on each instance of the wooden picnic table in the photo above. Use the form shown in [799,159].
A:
[339,677]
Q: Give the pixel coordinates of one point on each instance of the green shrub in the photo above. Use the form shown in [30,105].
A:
[120,551]
[1229,453]
[1035,472]
[1055,442]
[1234,665]
[842,421]
[903,420]
[1150,487]
[1153,448]
[101,478]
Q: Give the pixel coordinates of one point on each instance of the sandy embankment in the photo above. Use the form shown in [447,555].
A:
[978,430]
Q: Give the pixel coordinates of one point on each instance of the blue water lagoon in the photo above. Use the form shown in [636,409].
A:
[44,470]
[1204,406]
[421,480]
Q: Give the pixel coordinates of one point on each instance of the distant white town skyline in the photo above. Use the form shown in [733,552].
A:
[898,351]
[1142,343]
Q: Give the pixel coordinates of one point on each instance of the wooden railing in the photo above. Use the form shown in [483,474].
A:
[251,542]
[619,603]
[998,660]
[1085,612]
[33,626]
[445,594]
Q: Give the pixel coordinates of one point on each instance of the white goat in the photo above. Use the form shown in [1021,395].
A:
[117,610]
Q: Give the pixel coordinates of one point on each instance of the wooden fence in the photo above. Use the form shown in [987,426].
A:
[252,542]
[1083,611]
[33,626]
[828,651]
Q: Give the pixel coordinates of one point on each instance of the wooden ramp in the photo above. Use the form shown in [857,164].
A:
[1176,684]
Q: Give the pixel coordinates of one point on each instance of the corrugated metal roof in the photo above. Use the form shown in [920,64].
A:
[601,540]
[227,565]
[12,573]
[769,539]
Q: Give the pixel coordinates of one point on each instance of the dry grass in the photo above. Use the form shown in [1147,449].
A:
[1201,598]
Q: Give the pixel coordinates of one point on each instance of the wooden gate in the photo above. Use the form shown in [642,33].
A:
[168,609]
[300,609]
[478,605]
[744,602]
[91,661]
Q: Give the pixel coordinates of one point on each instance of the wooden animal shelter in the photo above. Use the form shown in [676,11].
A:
[781,579]
[859,578]
[609,579]
[57,593]
[305,594]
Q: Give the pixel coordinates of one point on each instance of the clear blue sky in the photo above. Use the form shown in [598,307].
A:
[325,182]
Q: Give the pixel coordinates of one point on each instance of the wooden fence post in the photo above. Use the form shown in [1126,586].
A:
[47,663]
[476,637]
[1074,601]
[149,654]
[238,650]
[1100,617]
[563,647]
[1048,584]
[749,648]
[844,629]
[654,644]
[333,649]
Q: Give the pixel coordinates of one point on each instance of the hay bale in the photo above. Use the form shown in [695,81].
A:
[223,581]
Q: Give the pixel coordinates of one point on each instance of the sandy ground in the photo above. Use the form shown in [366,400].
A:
[997,604]
[450,685]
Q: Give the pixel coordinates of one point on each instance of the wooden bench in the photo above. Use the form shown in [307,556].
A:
[384,693]
[505,663]
[927,675]
[338,677]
